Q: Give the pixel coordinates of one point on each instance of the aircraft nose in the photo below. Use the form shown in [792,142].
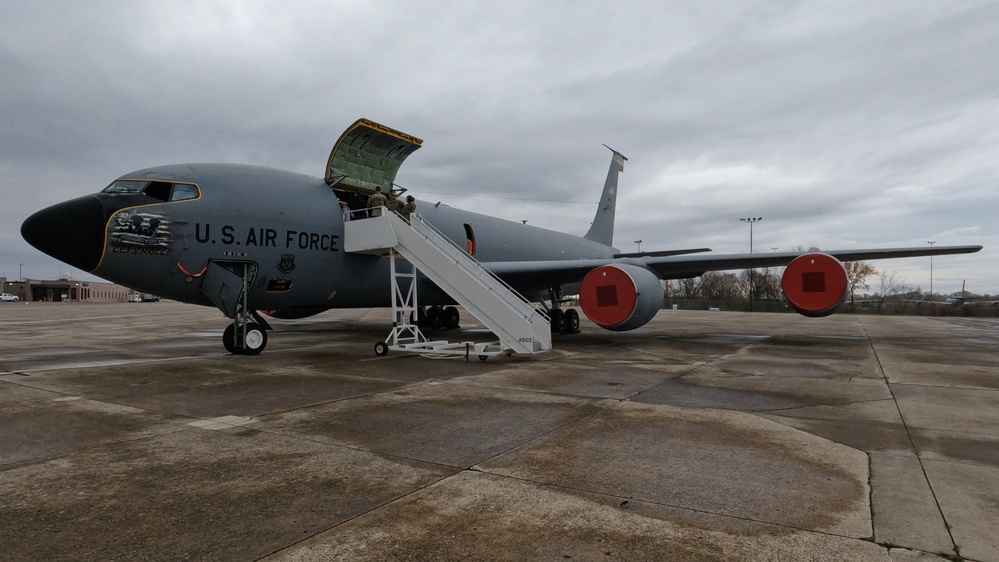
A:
[72,231]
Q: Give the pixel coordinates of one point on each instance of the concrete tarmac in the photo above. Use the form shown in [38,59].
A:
[128,433]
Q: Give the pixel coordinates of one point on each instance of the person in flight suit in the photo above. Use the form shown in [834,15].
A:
[376,202]
[394,204]
[409,208]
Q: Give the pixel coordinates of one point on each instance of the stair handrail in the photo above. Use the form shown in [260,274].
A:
[475,274]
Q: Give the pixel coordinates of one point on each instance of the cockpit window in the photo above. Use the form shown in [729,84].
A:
[125,187]
[158,190]
[162,190]
[182,191]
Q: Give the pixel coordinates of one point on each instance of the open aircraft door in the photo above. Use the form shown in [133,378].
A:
[368,155]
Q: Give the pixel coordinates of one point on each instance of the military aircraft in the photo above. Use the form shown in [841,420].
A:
[959,300]
[248,239]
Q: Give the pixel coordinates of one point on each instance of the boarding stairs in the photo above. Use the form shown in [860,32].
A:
[521,328]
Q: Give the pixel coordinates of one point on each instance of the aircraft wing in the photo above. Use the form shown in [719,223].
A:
[661,253]
[539,274]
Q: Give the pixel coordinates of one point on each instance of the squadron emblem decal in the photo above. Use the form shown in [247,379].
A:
[287,264]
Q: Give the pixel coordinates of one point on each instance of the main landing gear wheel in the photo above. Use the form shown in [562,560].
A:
[253,343]
[433,317]
[571,321]
[557,317]
[451,318]
[381,349]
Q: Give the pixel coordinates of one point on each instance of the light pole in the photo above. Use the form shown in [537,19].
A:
[931,243]
[20,277]
[752,278]
[639,242]
[751,221]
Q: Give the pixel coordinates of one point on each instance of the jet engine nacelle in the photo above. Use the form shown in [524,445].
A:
[815,284]
[620,297]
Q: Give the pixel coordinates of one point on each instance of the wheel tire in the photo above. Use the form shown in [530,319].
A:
[557,316]
[451,318]
[571,321]
[255,340]
[381,349]
[434,317]
[229,339]
[483,357]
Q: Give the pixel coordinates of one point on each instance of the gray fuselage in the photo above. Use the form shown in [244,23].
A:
[291,227]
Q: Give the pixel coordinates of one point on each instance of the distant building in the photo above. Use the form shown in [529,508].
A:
[67,290]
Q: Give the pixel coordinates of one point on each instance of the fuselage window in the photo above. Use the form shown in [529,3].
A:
[470,239]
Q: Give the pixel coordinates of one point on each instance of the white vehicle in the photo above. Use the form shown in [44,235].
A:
[7,297]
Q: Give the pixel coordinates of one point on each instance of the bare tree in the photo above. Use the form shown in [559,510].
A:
[689,288]
[891,289]
[857,273]
[763,284]
[721,286]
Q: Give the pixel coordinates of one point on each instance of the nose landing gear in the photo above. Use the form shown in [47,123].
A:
[248,339]
[227,285]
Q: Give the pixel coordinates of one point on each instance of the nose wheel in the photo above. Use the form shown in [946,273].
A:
[248,339]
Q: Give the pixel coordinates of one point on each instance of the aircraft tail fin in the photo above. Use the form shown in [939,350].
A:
[602,229]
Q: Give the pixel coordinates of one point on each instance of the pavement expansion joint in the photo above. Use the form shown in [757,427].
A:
[912,443]
[223,422]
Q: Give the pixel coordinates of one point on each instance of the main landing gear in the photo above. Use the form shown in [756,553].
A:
[563,320]
[439,317]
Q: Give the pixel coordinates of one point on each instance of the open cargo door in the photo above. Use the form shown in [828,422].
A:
[368,155]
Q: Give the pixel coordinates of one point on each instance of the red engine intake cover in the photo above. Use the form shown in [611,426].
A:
[815,284]
[620,297]
[610,294]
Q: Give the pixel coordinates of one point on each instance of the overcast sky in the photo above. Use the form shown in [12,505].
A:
[844,124]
